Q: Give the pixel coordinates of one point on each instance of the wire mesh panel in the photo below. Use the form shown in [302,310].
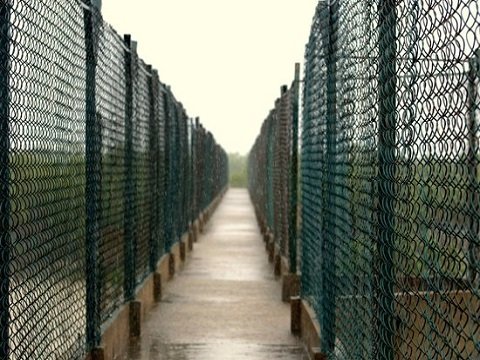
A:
[200,145]
[271,168]
[182,156]
[281,167]
[46,176]
[110,97]
[170,166]
[210,168]
[389,179]
[157,161]
[141,169]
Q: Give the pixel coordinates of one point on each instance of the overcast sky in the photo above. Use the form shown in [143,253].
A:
[224,59]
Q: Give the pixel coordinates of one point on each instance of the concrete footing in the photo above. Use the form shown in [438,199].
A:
[266,240]
[171,265]
[271,250]
[201,224]
[135,319]
[97,354]
[196,230]
[290,286]
[277,261]
[317,354]
[191,239]
[295,315]
[157,286]
[304,324]
[281,268]
[183,250]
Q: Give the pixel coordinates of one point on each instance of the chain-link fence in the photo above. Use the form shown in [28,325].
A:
[390,179]
[101,172]
[272,172]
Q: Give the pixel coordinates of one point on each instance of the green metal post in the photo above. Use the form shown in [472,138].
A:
[5,240]
[170,165]
[129,285]
[186,177]
[269,173]
[386,179]
[192,173]
[474,228]
[177,186]
[93,184]
[153,84]
[198,188]
[292,229]
[329,239]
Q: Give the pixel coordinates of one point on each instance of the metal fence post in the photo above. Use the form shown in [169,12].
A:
[5,241]
[154,165]
[93,183]
[292,228]
[129,186]
[192,173]
[386,179]
[176,170]
[168,210]
[329,209]
[269,152]
[198,169]
[474,227]
[185,165]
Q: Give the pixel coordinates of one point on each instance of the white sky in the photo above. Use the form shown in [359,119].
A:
[224,59]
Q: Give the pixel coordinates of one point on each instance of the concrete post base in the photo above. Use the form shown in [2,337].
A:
[295,317]
[318,355]
[157,287]
[97,354]
[135,318]
[271,250]
[196,230]
[277,265]
[171,265]
[290,287]
[183,251]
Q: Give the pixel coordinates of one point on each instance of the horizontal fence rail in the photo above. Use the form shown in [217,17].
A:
[388,179]
[101,173]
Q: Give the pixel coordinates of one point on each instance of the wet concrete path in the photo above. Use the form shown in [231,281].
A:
[225,303]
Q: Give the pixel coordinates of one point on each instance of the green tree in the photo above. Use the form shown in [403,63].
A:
[238,170]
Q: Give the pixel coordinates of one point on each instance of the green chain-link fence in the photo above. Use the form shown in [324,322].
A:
[272,173]
[389,178]
[389,173]
[101,172]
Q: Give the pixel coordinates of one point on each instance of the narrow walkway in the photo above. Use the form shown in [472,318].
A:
[225,303]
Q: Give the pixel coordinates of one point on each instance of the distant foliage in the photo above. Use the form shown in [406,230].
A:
[238,170]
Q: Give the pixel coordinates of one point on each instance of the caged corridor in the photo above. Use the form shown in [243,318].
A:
[119,236]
